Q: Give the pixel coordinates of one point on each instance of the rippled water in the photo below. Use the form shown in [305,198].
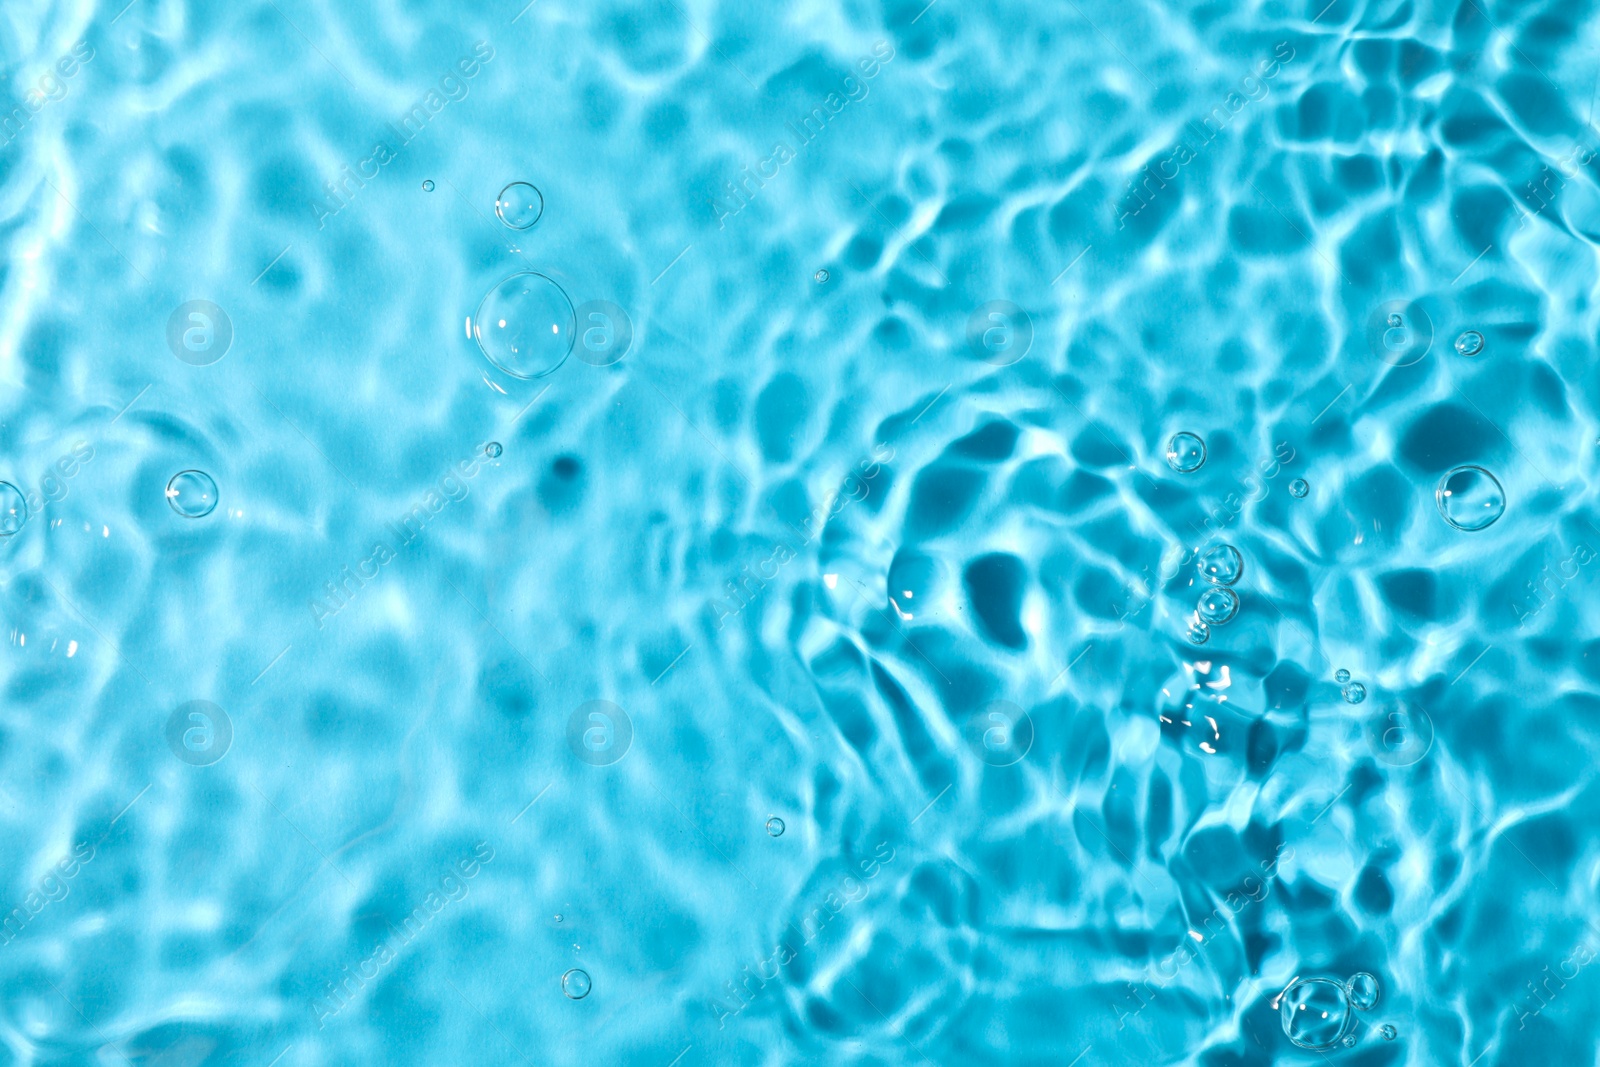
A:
[692,534]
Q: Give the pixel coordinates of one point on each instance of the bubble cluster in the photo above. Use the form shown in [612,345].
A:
[1319,1013]
[1470,343]
[1299,488]
[775,827]
[519,205]
[1186,452]
[1470,498]
[575,984]
[1221,564]
[192,494]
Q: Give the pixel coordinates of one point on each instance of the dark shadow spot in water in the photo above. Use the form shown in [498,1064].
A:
[1373,892]
[995,584]
[989,443]
[1413,593]
[1446,436]
[941,497]
[781,413]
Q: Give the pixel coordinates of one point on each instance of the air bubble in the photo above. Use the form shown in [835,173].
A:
[1186,452]
[775,827]
[519,205]
[525,325]
[1218,605]
[1315,1013]
[1395,322]
[821,276]
[1470,498]
[1363,991]
[575,984]
[1341,676]
[493,450]
[1299,488]
[13,509]
[1221,564]
[1355,693]
[192,494]
[1388,1031]
[1349,1041]
[1199,632]
[427,185]
[1470,343]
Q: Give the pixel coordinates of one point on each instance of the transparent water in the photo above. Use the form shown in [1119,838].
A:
[767,631]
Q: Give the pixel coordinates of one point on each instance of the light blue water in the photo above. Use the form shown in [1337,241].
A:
[745,600]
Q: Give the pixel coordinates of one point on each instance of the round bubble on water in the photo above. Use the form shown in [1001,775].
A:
[1470,343]
[1299,488]
[1186,452]
[1221,564]
[821,276]
[1355,693]
[1218,605]
[575,984]
[519,205]
[525,325]
[493,450]
[1388,1031]
[192,494]
[1395,322]
[1363,991]
[427,185]
[1199,632]
[775,827]
[1470,498]
[1315,1013]
[1349,1041]
[13,509]
[1341,676]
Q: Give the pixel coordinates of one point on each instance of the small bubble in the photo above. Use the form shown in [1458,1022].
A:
[1186,452]
[1199,632]
[1349,1040]
[1299,488]
[493,450]
[558,918]
[775,827]
[1362,988]
[1389,1032]
[192,494]
[1355,693]
[519,205]
[1221,564]
[1470,498]
[427,185]
[13,509]
[1470,343]
[575,984]
[821,276]
[1218,605]
[1341,676]
[1395,322]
